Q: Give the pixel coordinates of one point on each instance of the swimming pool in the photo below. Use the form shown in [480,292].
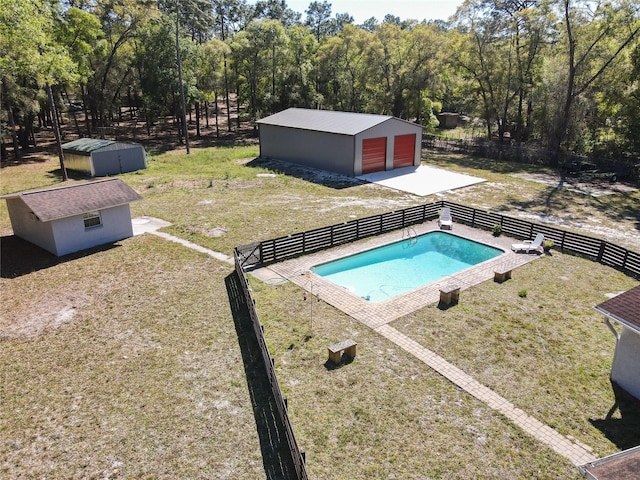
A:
[385,272]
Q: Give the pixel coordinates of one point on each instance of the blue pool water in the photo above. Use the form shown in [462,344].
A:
[384,272]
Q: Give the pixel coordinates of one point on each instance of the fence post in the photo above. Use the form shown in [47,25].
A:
[603,245]
[473,218]
[626,257]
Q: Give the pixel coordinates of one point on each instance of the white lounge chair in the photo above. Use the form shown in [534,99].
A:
[445,220]
[529,246]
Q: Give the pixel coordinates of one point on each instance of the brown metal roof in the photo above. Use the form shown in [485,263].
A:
[623,308]
[76,199]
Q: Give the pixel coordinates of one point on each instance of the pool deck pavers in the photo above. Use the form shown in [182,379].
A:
[377,316]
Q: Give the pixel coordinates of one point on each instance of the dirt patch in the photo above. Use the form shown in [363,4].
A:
[46,316]
[214,232]
[593,188]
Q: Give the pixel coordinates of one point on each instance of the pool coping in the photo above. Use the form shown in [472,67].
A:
[376,314]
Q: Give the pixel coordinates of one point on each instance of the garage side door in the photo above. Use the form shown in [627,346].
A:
[404,148]
[374,154]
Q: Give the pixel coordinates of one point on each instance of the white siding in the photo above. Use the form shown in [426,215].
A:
[71,236]
[26,226]
[625,370]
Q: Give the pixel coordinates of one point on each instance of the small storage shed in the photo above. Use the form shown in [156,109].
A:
[348,143]
[448,119]
[624,309]
[100,158]
[73,217]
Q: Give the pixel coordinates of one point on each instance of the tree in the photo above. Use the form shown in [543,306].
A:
[156,65]
[319,18]
[209,74]
[592,40]
[342,69]
[276,10]
[31,59]
[112,59]
[80,32]
[298,88]
[228,14]
[257,55]
[497,46]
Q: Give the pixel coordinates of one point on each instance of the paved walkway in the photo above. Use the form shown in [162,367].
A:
[572,451]
[151,225]
[378,318]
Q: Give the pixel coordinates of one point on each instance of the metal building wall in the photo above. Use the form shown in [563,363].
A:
[322,150]
[80,163]
[118,158]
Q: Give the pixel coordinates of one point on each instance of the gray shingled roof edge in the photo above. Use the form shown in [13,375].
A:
[77,198]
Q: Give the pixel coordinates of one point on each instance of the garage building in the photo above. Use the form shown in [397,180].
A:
[352,144]
[99,158]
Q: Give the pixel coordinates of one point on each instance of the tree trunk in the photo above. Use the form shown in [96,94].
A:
[56,132]
[14,137]
[197,105]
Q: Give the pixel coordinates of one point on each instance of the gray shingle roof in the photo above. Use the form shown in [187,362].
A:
[623,308]
[344,123]
[76,199]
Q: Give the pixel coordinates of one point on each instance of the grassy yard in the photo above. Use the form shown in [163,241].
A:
[125,363]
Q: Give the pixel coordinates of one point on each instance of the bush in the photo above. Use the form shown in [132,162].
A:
[522,294]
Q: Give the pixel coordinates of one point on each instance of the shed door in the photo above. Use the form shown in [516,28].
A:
[404,147]
[374,154]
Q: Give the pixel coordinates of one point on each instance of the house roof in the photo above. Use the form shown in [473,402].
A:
[623,308]
[343,123]
[623,465]
[85,146]
[76,199]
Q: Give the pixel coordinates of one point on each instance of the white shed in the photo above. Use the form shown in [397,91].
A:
[352,144]
[73,217]
[100,158]
[624,309]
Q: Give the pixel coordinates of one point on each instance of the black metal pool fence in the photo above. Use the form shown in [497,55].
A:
[296,244]
[302,243]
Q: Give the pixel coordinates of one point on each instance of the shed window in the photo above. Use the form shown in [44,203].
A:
[91,220]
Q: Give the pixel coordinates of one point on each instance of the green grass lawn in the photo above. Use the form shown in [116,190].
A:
[125,363]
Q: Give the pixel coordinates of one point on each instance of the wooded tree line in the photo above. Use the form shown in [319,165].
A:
[564,74]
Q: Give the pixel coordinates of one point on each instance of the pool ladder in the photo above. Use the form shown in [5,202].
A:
[410,234]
